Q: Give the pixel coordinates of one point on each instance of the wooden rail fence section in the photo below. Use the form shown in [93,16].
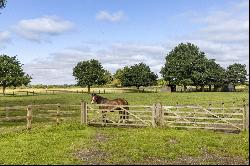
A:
[217,118]
[179,116]
[39,112]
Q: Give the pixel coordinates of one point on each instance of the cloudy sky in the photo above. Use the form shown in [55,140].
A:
[49,36]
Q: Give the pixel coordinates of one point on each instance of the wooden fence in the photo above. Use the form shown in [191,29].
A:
[51,91]
[179,116]
[216,118]
[38,113]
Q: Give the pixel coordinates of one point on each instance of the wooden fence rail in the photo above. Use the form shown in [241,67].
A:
[217,118]
[36,112]
[179,116]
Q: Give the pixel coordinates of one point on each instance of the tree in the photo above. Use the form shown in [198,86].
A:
[11,72]
[117,77]
[236,74]
[215,74]
[89,73]
[184,65]
[108,77]
[161,82]
[138,75]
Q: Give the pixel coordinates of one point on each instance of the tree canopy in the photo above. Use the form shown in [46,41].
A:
[11,72]
[138,75]
[185,65]
[89,73]
[236,73]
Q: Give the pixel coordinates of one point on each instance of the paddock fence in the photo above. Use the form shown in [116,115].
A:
[156,115]
[180,116]
[45,113]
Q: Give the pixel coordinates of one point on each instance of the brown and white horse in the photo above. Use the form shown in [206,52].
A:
[101,100]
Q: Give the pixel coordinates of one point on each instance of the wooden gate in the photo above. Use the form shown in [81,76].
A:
[117,115]
[232,118]
[207,118]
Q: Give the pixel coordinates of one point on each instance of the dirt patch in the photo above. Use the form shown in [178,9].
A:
[101,137]
[201,160]
[93,155]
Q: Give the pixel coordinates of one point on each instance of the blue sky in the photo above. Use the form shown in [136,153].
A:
[51,36]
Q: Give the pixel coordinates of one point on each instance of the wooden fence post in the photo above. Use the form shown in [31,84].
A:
[29,117]
[58,114]
[153,115]
[161,115]
[247,118]
[83,112]
[6,113]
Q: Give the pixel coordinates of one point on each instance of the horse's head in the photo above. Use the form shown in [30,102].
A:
[94,98]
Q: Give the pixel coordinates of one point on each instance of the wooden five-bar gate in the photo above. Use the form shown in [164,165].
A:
[180,116]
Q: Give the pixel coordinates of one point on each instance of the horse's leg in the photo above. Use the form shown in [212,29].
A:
[104,116]
[126,113]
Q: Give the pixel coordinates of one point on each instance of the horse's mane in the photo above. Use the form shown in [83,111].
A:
[100,97]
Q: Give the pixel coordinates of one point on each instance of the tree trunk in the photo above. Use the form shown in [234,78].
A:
[4,90]
[202,88]
[234,88]
[138,89]
[185,88]
[88,88]
[210,88]
[196,88]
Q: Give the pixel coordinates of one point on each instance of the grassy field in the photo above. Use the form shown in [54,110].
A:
[201,98]
[72,143]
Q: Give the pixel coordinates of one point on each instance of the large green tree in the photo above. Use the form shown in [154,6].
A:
[89,73]
[185,65]
[11,72]
[138,75]
[236,74]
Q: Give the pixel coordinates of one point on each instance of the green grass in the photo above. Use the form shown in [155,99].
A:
[135,145]
[202,98]
[47,143]
[44,144]
[51,144]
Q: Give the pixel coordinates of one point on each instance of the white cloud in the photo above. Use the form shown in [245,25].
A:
[224,36]
[39,29]
[4,38]
[106,16]
[58,68]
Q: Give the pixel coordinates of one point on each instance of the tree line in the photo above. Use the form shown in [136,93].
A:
[185,65]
